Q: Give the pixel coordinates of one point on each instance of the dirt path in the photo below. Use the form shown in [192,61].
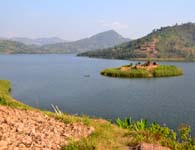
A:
[33,130]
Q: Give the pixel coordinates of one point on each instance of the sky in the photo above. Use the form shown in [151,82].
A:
[76,19]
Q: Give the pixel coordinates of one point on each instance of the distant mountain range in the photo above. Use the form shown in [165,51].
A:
[12,47]
[58,46]
[39,41]
[99,41]
[167,43]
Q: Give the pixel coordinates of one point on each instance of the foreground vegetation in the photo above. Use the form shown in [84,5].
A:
[154,133]
[119,135]
[146,70]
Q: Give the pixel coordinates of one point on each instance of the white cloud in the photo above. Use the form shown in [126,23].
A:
[116,25]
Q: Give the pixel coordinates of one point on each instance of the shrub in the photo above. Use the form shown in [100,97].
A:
[141,131]
[124,123]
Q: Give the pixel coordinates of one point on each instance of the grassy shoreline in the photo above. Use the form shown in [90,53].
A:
[108,136]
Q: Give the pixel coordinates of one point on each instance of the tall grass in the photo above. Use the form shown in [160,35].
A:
[166,71]
[134,73]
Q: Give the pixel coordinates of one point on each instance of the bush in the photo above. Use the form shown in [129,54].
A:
[141,131]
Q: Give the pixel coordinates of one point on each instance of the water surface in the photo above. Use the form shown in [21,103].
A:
[42,80]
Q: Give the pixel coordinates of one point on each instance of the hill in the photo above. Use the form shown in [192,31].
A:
[167,43]
[37,46]
[11,47]
[39,41]
[99,41]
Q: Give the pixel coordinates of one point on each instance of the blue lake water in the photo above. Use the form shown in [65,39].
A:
[42,80]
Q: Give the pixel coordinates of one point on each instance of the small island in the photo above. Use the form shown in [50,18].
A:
[145,70]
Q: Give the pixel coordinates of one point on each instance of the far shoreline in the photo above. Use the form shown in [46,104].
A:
[143,59]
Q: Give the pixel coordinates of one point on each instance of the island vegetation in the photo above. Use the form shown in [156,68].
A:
[146,70]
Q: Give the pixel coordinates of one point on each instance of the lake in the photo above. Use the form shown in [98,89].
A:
[62,80]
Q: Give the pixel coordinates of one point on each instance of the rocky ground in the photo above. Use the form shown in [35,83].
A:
[33,130]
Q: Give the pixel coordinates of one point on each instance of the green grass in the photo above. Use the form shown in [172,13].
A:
[5,87]
[142,131]
[167,71]
[134,73]
[107,136]
[6,99]
[160,71]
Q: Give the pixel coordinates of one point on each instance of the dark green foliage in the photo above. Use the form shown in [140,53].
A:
[127,123]
[141,131]
[3,101]
[124,123]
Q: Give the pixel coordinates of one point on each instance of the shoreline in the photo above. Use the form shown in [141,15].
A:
[100,133]
[143,59]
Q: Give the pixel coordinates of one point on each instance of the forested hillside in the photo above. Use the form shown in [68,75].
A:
[167,43]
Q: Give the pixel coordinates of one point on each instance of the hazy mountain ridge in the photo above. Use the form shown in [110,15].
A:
[98,41]
[38,41]
[12,47]
[172,42]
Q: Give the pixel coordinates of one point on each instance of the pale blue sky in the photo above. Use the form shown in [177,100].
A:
[75,19]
